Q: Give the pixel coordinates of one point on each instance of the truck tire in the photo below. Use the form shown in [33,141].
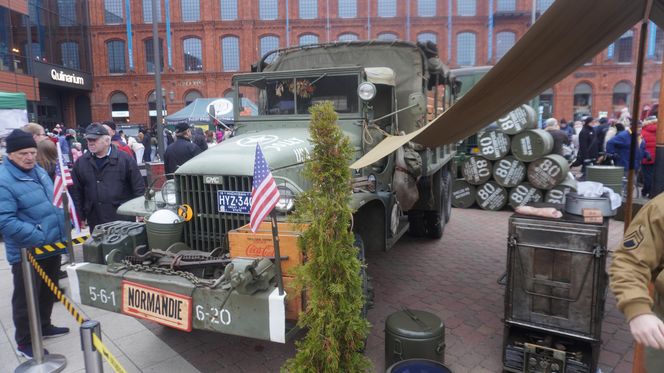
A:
[416,224]
[434,221]
[367,289]
[448,185]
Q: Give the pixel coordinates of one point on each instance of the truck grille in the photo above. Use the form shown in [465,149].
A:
[207,229]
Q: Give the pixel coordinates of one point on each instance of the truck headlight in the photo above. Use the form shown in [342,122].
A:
[168,192]
[286,200]
[366,91]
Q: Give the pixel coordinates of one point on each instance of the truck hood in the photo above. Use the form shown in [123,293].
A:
[281,147]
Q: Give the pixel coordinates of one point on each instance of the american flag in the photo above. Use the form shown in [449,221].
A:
[264,193]
[62,181]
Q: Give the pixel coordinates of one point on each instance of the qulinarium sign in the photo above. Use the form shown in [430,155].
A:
[61,76]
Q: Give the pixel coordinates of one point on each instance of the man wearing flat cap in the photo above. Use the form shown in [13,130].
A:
[29,219]
[181,150]
[104,178]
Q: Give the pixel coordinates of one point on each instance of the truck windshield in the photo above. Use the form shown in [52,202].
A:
[287,96]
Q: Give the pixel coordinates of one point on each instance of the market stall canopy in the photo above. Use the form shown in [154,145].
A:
[13,111]
[565,37]
[204,110]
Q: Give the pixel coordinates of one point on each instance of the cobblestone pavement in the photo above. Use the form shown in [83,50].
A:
[454,278]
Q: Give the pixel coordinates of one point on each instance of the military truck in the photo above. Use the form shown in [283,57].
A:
[194,280]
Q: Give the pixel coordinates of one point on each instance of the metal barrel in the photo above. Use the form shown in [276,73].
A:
[529,145]
[493,145]
[491,196]
[610,176]
[476,170]
[557,194]
[523,194]
[509,172]
[463,194]
[518,120]
[548,171]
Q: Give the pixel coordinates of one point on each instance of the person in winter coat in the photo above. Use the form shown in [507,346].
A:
[147,145]
[588,145]
[28,219]
[649,133]
[116,139]
[618,148]
[104,178]
[180,151]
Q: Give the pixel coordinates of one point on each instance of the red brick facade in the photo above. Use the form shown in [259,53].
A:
[602,74]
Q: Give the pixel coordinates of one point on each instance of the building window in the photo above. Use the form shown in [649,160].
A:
[230,49]
[387,36]
[267,44]
[69,53]
[426,8]
[191,96]
[583,100]
[119,107]
[193,54]
[466,8]
[546,104]
[347,37]
[308,9]
[116,57]
[504,41]
[149,55]
[659,44]
[191,10]
[66,12]
[387,8]
[506,6]
[543,5]
[268,9]
[308,39]
[623,47]
[423,37]
[466,49]
[622,96]
[228,10]
[147,11]
[113,13]
[347,8]
[655,91]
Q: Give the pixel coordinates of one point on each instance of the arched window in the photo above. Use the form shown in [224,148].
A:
[69,53]
[115,49]
[230,49]
[347,37]
[659,44]
[192,54]
[426,8]
[269,43]
[623,47]
[308,9]
[66,12]
[228,10]
[546,103]
[191,10]
[543,5]
[113,12]
[388,36]
[147,11]
[466,49]
[504,41]
[583,100]
[191,96]
[387,8]
[119,106]
[655,91]
[268,9]
[506,6]
[347,8]
[466,8]
[622,96]
[149,55]
[308,39]
[423,37]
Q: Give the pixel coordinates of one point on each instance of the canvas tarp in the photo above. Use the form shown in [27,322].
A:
[13,112]
[566,36]
[199,112]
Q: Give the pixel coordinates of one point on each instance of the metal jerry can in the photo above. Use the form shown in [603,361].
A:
[414,334]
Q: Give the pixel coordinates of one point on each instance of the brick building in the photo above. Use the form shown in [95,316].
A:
[205,42]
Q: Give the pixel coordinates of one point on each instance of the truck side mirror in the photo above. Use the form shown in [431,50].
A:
[418,103]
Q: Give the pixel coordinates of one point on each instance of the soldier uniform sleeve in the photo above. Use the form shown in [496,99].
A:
[638,260]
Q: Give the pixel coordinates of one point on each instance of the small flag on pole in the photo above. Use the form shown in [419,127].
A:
[264,192]
[62,181]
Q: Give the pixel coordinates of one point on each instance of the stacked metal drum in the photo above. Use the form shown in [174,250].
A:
[514,166]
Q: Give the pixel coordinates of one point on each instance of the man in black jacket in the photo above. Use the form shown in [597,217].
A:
[104,178]
[180,151]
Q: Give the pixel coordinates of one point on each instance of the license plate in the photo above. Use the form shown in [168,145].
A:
[235,202]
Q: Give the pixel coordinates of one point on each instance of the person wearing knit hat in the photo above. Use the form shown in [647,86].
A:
[28,218]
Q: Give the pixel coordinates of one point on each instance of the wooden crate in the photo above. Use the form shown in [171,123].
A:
[243,242]
[294,300]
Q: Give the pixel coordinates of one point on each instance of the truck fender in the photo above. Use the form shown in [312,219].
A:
[369,219]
